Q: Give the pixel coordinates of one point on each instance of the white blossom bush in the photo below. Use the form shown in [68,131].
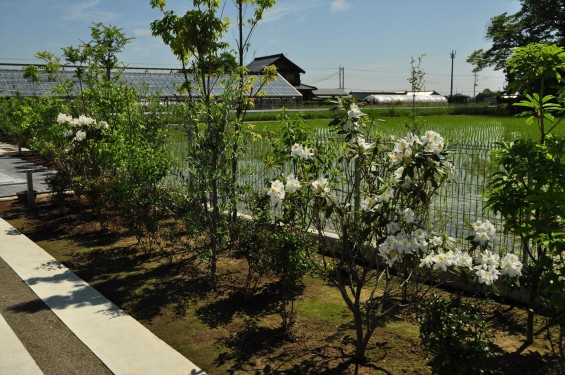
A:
[80,128]
[77,146]
[374,195]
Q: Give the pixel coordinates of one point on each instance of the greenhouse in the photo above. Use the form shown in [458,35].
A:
[152,81]
[406,97]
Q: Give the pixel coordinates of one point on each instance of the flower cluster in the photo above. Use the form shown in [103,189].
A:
[301,151]
[276,192]
[484,232]
[412,159]
[375,203]
[79,127]
[432,142]
[405,148]
[362,145]
[444,260]
[320,187]
[354,114]
[399,243]
[487,266]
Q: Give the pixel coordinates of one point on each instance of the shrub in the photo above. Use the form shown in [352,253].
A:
[452,330]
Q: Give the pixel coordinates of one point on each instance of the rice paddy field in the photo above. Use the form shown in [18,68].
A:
[470,137]
[467,129]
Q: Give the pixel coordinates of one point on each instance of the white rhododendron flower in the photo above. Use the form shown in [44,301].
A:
[436,241]
[331,198]
[420,233]
[63,118]
[292,183]
[85,120]
[307,153]
[408,215]
[487,276]
[398,173]
[463,260]
[364,146]
[488,259]
[510,265]
[79,136]
[392,227]
[386,195]
[276,192]
[80,126]
[488,268]
[393,156]
[433,142]
[404,243]
[368,203]
[442,261]
[354,112]
[321,187]
[484,232]
[302,152]
[428,260]
[296,149]
[387,246]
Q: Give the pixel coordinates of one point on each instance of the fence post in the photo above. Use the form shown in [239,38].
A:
[30,192]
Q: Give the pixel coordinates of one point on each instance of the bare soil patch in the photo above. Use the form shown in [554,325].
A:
[225,334]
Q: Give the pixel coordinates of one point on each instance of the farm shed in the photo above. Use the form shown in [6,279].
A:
[165,82]
[286,68]
[323,94]
[406,97]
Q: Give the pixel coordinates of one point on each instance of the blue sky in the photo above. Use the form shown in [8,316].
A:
[372,39]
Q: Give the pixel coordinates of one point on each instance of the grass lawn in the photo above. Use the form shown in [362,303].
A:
[224,334]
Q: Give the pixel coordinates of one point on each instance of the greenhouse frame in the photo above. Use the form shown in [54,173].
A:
[406,97]
[164,82]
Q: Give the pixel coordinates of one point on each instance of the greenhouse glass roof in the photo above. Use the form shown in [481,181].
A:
[164,83]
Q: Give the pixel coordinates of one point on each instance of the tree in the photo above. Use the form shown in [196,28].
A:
[368,203]
[537,69]
[196,38]
[243,43]
[107,42]
[486,93]
[416,81]
[538,21]
[528,190]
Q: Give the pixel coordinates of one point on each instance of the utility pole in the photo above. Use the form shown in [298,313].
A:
[342,77]
[452,54]
[475,84]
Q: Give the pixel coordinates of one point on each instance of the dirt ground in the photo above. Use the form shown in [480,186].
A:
[225,334]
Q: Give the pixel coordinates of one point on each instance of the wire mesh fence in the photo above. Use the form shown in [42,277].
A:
[457,203]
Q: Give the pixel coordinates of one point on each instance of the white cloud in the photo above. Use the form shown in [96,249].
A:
[86,10]
[140,32]
[338,6]
[288,8]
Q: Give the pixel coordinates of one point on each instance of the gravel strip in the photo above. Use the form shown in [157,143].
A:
[55,349]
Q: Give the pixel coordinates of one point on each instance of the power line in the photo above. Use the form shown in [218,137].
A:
[326,78]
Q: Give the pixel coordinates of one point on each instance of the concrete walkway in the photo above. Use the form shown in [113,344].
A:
[44,307]
[13,176]
[123,344]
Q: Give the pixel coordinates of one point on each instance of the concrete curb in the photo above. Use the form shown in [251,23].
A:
[15,358]
[123,344]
